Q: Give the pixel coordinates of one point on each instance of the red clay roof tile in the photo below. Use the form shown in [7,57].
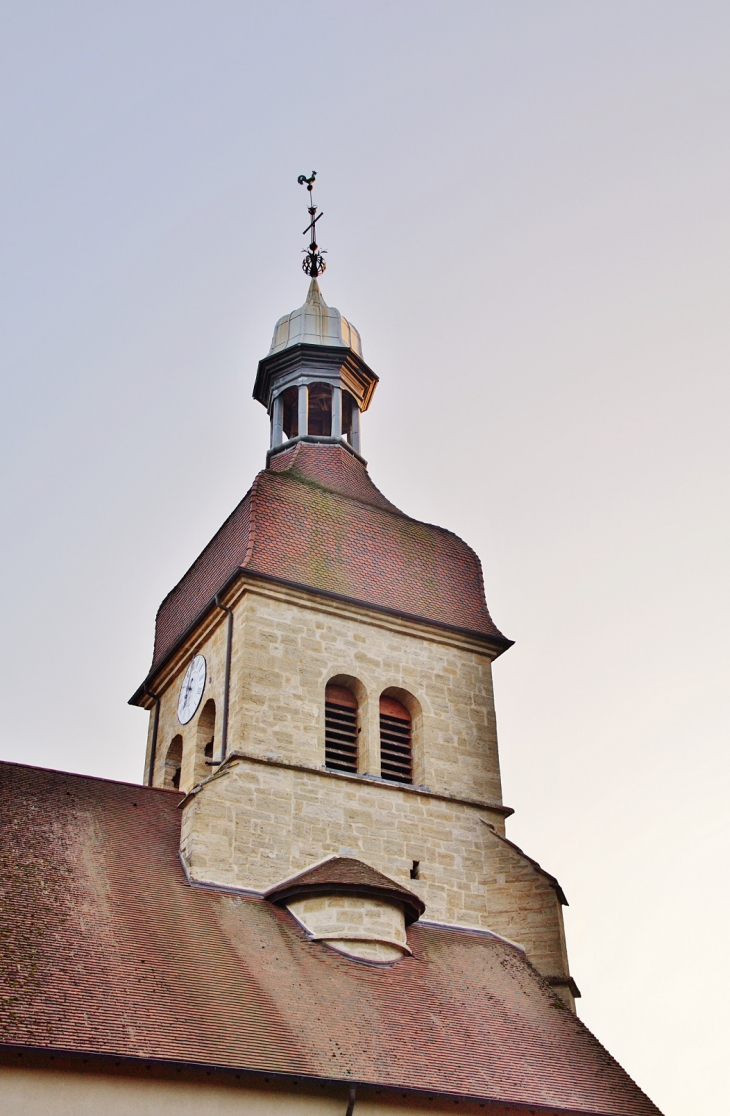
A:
[346,875]
[315,519]
[106,948]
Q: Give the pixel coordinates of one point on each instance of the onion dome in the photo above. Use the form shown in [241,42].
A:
[315,323]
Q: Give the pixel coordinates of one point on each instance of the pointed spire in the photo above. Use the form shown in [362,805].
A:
[314,294]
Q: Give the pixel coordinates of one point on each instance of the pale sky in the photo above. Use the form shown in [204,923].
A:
[526,217]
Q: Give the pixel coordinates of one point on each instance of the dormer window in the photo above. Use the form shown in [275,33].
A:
[364,913]
[396,753]
[340,729]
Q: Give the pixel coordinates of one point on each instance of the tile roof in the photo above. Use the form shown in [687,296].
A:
[347,876]
[314,518]
[106,948]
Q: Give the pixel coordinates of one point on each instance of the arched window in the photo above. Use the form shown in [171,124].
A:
[173,764]
[205,741]
[320,410]
[340,729]
[396,757]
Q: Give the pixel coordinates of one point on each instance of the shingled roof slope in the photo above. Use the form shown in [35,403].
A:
[315,519]
[106,948]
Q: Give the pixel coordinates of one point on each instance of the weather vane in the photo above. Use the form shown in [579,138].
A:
[313,263]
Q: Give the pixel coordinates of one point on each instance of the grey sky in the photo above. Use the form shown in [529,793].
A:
[526,216]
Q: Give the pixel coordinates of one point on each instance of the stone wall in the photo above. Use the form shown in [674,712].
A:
[358,925]
[274,810]
[257,823]
[289,653]
[210,642]
[288,645]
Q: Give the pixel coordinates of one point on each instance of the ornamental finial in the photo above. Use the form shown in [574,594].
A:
[313,263]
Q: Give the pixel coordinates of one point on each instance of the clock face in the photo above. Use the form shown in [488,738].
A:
[191,690]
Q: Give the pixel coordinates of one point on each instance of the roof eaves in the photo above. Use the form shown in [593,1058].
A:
[369,881]
[144,689]
[114,1061]
[497,641]
[494,640]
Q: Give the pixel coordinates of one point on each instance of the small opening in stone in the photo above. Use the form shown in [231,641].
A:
[416,870]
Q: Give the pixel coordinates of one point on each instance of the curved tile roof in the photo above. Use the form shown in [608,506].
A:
[315,519]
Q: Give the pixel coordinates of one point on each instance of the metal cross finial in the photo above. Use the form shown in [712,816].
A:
[313,263]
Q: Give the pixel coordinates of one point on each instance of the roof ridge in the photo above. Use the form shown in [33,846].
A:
[208,545]
[303,872]
[84,775]
[251,521]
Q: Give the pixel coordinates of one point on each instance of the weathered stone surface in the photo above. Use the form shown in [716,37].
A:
[274,810]
[287,646]
[280,820]
[357,925]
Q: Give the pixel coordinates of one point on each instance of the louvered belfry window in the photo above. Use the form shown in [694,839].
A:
[396,761]
[340,729]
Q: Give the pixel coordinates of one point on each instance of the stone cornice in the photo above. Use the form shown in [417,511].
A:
[237,756]
[245,581]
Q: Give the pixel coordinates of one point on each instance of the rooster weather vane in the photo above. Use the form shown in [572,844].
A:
[313,263]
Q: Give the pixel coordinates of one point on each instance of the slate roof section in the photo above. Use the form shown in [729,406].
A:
[344,875]
[107,949]
[315,519]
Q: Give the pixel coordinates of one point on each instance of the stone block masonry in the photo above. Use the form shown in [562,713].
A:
[257,823]
[287,645]
[273,809]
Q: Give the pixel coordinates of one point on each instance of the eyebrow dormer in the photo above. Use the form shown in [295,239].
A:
[350,907]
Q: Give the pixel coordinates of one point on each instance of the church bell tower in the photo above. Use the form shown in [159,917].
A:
[321,688]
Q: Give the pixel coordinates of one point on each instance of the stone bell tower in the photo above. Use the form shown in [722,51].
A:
[321,688]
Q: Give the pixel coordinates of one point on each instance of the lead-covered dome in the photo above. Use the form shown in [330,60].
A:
[315,323]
